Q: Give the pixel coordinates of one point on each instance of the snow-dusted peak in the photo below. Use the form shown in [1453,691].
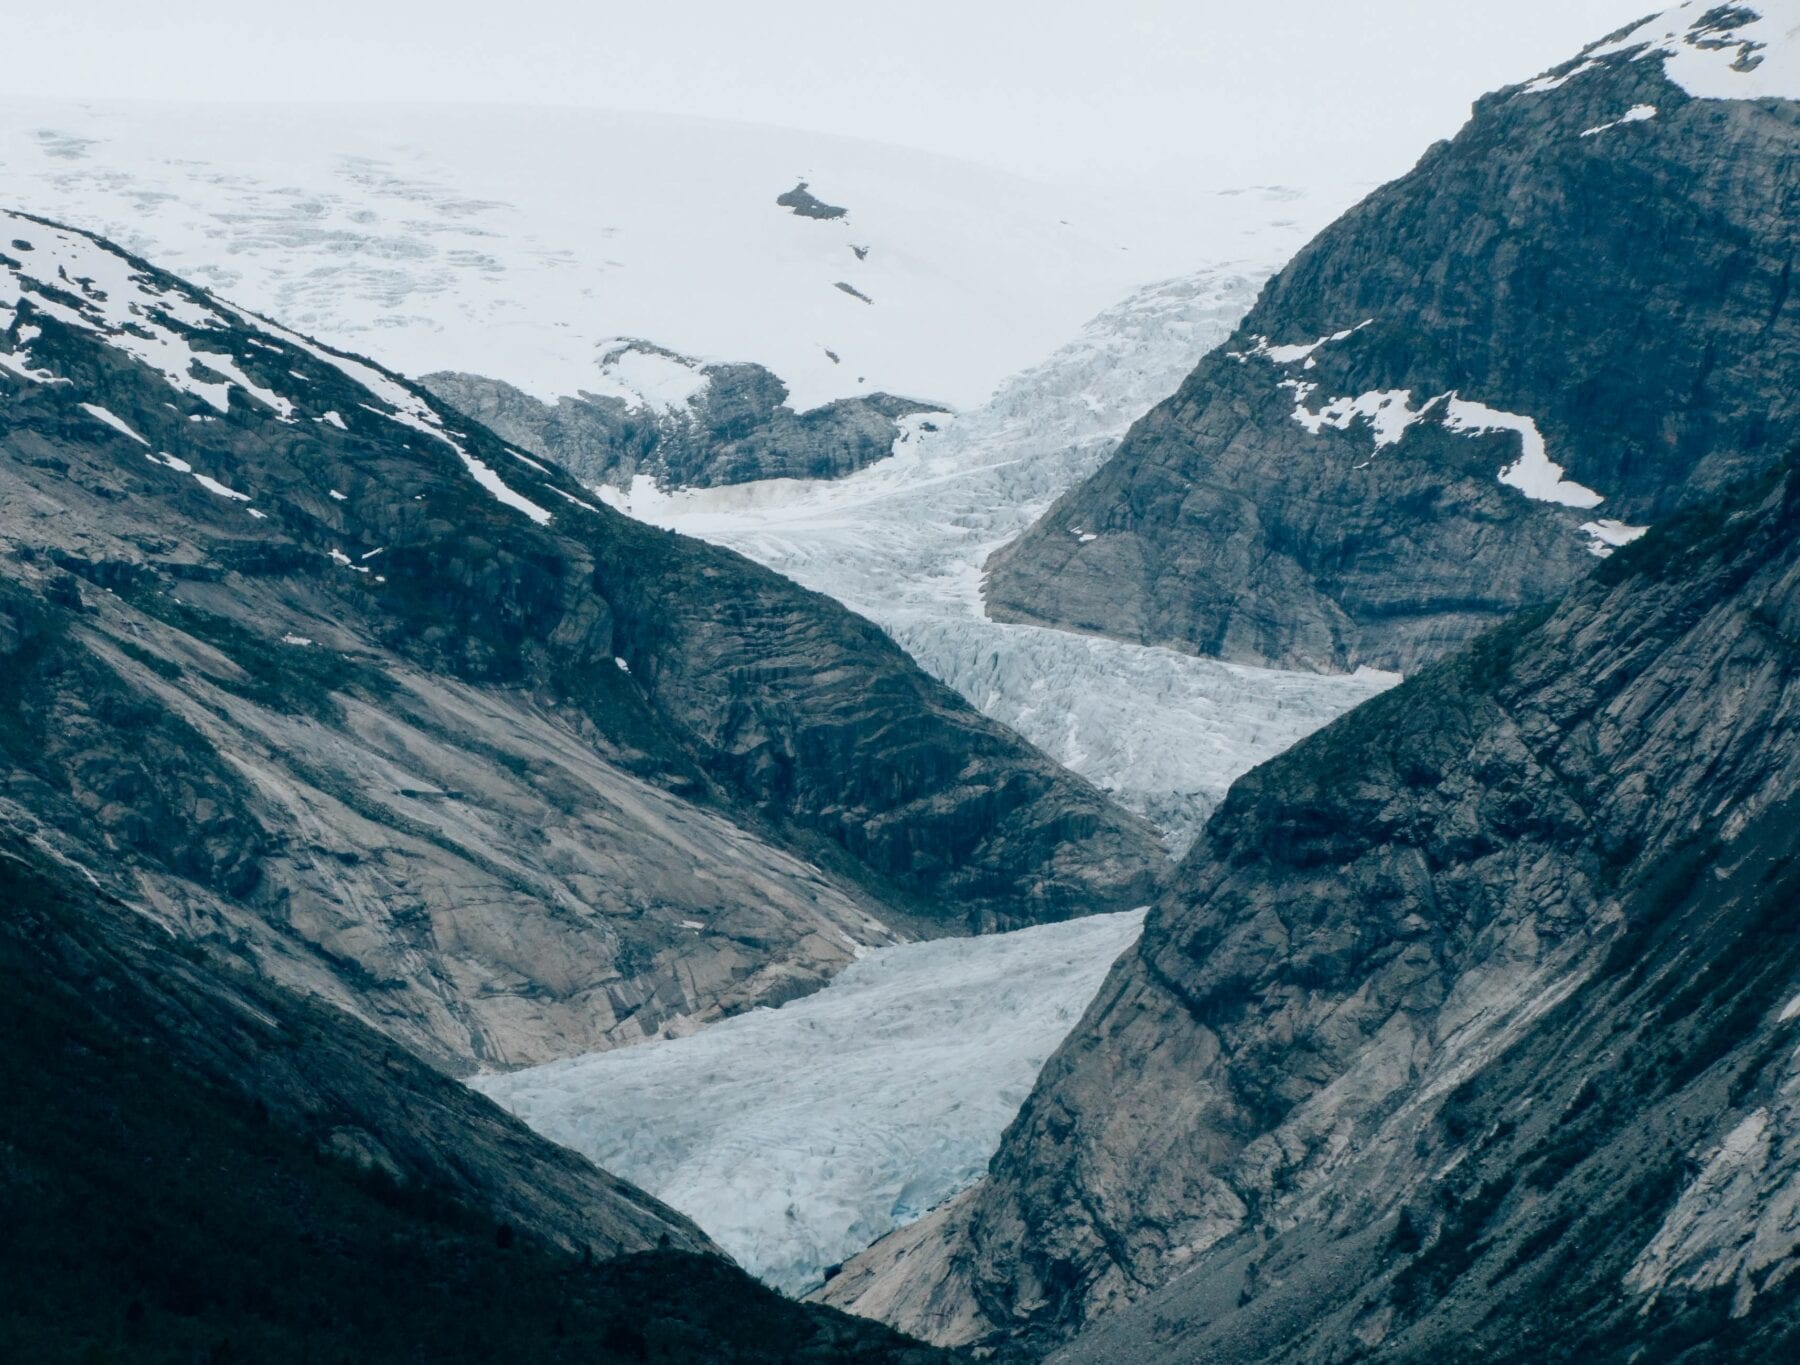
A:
[78,281]
[1712,51]
[203,349]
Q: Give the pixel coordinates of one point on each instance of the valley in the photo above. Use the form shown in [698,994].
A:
[696,741]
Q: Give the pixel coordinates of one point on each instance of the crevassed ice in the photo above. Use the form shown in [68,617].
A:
[797,1136]
[904,541]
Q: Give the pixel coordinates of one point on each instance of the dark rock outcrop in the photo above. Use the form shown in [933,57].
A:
[806,204]
[329,679]
[737,428]
[1597,252]
[1467,1031]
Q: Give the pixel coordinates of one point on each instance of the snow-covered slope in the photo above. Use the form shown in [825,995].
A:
[1718,52]
[521,243]
[903,542]
[797,1136]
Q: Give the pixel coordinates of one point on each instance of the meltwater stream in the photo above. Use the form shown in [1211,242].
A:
[797,1136]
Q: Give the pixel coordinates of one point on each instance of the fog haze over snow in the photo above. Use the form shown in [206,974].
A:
[1121,92]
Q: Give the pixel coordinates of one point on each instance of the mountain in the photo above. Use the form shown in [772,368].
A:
[642,286]
[200,1165]
[1568,323]
[326,677]
[1467,1029]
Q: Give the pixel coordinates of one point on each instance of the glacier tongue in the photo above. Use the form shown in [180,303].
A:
[1164,733]
[797,1136]
[903,542]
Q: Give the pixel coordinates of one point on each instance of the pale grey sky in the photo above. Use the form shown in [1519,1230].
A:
[1067,89]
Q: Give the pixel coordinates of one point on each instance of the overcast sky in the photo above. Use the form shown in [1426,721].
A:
[1227,90]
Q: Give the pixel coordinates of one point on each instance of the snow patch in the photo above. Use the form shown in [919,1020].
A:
[1743,51]
[85,285]
[218,489]
[408,410]
[1545,84]
[1638,113]
[168,461]
[1533,473]
[1288,355]
[646,376]
[797,1136]
[1605,536]
[116,423]
[1388,411]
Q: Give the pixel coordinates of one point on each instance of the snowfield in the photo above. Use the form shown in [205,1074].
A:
[522,244]
[797,1136]
[903,542]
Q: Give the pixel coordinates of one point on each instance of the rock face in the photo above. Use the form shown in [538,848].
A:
[1564,325]
[726,424]
[1467,1031]
[808,205]
[330,679]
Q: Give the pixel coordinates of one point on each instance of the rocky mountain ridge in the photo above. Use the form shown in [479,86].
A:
[329,678]
[1468,1025]
[1565,324]
[686,424]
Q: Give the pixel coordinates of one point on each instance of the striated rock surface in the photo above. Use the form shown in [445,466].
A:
[331,679]
[1564,325]
[1470,1029]
[690,425]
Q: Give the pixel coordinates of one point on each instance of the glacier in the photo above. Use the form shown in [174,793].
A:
[903,542]
[797,1136]
[527,244]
